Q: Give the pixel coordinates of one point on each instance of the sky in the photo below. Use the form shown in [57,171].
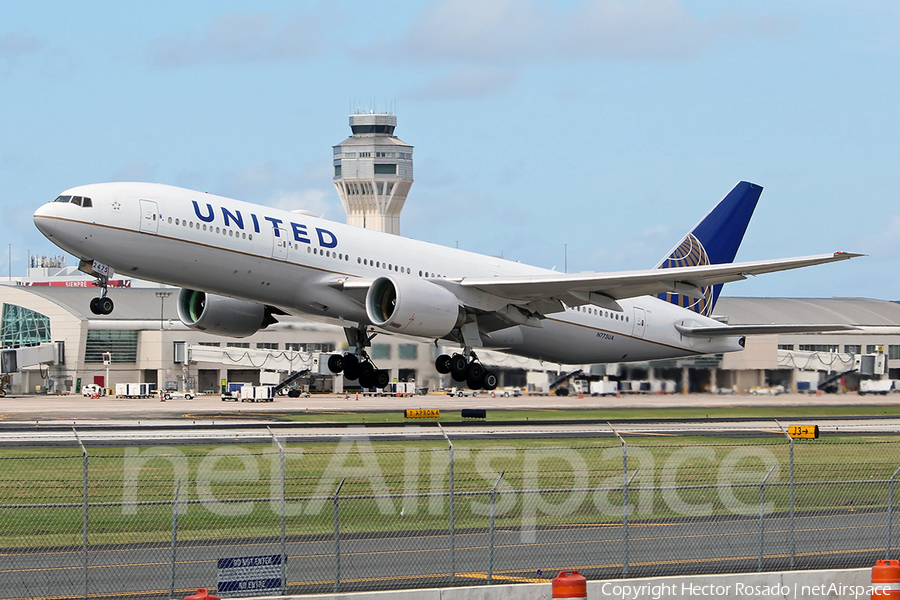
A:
[583,135]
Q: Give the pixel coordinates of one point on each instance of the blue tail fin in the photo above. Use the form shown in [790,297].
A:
[713,241]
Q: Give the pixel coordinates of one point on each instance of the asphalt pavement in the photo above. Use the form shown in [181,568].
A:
[38,407]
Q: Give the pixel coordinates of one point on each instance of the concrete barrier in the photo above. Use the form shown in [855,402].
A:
[840,584]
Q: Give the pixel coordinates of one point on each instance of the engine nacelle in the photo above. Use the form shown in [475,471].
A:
[413,307]
[220,315]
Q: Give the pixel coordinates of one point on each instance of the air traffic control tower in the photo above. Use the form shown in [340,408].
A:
[373,171]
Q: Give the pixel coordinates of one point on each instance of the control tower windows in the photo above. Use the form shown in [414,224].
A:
[357,129]
[388,169]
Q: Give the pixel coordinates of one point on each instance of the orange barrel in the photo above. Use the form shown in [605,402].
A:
[886,577]
[202,594]
[570,584]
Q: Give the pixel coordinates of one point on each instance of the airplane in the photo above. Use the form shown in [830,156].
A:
[241,265]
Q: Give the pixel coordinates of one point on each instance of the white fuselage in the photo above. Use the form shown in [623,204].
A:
[222,246]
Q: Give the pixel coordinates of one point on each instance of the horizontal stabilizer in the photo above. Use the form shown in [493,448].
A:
[735,330]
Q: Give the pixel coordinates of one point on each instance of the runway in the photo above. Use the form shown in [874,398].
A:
[51,408]
[206,432]
[36,421]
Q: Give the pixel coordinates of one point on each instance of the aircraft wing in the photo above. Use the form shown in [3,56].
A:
[604,289]
[732,330]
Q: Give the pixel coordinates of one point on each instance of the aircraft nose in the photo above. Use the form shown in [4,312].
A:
[45,219]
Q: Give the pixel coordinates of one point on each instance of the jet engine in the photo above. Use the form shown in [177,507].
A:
[413,307]
[221,315]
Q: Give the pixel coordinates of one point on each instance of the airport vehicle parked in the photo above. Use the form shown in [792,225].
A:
[134,390]
[461,392]
[882,387]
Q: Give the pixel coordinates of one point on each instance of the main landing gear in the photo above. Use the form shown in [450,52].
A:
[357,365]
[104,304]
[465,369]
[359,368]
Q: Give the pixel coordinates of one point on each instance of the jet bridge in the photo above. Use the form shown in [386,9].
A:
[12,360]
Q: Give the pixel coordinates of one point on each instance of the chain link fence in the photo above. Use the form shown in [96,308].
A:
[363,514]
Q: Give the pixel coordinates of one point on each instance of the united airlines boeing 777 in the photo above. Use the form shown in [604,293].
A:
[241,265]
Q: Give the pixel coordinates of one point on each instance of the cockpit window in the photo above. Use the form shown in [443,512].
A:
[81,201]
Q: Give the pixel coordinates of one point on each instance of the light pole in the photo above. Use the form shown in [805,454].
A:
[162,295]
[162,301]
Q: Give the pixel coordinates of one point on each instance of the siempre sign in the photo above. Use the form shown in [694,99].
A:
[249,575]
[423,413]
[804,431]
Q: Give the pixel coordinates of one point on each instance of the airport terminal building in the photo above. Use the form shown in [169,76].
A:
[147,343]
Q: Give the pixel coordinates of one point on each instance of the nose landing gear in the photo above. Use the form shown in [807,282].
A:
[104,304]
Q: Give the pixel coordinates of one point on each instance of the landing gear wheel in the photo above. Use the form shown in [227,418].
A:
[458,367]
[350,360]
[105,305]
[443,364]
[367,380]
[490,381]
[382,378]
[458,363]
[475,375]
[458,375]
[475,370]
[351,372]
[335,363]
[95,306]
[475,383]
[367,369]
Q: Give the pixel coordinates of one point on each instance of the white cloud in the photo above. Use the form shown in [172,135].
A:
[476,32]
[14,46]
[513,33]
[316,201]
[261,37]
[469,82]
[270,184]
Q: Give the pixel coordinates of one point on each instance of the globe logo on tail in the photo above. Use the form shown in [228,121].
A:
[689,253]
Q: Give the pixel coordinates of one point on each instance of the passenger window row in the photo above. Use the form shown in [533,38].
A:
[309,249]
[602,313]
[210,228]
[325,253]
[382,265]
